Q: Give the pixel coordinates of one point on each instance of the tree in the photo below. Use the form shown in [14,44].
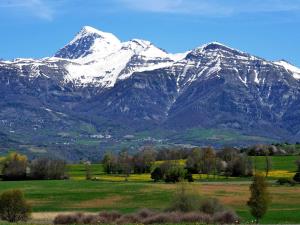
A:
[268,165]
[208,156]
[14,167]
[43,168]
[88,171]
[175,173]
[13,206]
[109,162]
[260,197]
[193,162]
[298,164]
[227,154]
[125,163]
[239,166]
[144,160]
[39,169]
[297,177]
[157,174]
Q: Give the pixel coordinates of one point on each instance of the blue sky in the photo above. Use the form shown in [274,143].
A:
[266,28]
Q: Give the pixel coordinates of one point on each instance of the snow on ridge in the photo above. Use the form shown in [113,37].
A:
[109,60]
[105,69]
[289,67]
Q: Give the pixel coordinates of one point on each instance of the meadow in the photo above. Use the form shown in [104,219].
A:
[111,192]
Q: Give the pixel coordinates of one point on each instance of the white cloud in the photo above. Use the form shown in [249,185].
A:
[211,7]
[39,8]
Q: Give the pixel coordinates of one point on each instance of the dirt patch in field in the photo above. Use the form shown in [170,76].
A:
[38,202]
[98,203]
[234,200]
[158,187]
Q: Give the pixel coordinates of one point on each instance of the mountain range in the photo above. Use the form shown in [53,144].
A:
[98,93]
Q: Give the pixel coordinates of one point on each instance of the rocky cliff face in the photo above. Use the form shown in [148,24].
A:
[98,90]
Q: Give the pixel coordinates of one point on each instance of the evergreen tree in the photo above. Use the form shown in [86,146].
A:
[260,197]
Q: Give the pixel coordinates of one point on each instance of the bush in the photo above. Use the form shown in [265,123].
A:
[283,181]
[157,174]
[67,219]
[109,217]
[146,216]
[184,200]
[226,217]
[13,206]
[189,177]
[211,206]
[297,177]
[196,217]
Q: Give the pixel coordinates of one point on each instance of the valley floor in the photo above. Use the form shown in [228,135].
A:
[50,197]
[112,192]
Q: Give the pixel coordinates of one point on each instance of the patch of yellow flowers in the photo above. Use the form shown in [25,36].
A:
[281,173]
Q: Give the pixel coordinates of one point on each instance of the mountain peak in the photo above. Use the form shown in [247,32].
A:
[87,41]
[215,46]
[93,33]
[90,31]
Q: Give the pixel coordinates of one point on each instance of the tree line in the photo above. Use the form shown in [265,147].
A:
[165,164]
[17,167]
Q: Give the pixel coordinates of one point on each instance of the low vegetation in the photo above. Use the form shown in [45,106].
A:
[185,207]
[14,207]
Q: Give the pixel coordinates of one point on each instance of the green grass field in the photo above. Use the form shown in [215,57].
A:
[282,166]
[110,192]
[93,196]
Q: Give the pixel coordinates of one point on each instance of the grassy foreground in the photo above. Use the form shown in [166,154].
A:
[110,192]
[93,196]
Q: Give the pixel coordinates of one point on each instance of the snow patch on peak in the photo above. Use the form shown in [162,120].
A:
[289,67]
[89,31]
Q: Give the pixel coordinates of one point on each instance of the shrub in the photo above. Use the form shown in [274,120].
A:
[109,217]
[297,177]
[189,177]
[68,218]
[144,213]
[157,174]
[283,181]
[211,206]
[146,216]
[184,200]
[171,217]
[128,219]
[78,218]
[226,217]
[196,217]
[13,206]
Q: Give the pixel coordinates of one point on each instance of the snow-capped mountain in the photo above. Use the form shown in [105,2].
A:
[100,59]
[99,84]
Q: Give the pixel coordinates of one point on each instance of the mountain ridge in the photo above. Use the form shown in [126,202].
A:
[96,91]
